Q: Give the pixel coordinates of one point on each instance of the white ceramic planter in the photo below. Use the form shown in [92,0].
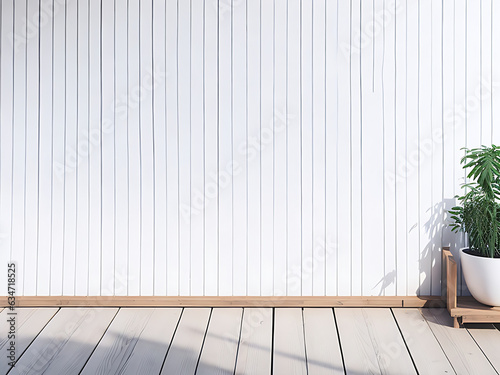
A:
[482,276]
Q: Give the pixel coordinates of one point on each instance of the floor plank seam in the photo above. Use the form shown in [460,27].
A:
[172,340]
[272,341]
[98,342]
[439,343]
[34,338]
[203,342]
[338,338]
[239,341]
[406,344]
[482,351]
[305,343]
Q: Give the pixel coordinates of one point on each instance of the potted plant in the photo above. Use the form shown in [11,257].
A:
[479,216]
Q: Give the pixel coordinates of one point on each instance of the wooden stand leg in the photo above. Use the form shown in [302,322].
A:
[456,324]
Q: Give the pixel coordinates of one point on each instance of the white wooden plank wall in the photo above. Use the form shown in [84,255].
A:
[239,147]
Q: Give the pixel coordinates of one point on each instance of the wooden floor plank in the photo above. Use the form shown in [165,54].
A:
[254,353]
[322,344]
[182,357]
[371,342]
[463,353]
[488,339]
[136,342]
[424,348]
[218,355]
[29,323]
[66,343]
[289,347]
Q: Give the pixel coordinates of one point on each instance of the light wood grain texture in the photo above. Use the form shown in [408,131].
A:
[254,352]
[29,323]
[289,356]
[372,343]
[136,342]
[462,352]
[66,343]
[184,352]
[221,342]
[322,344]
[242,301]
[423,346]
[487,338]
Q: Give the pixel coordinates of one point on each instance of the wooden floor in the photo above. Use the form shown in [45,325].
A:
[247,341]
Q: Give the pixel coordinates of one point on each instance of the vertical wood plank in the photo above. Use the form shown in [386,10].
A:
[121,153]
[412,154]
[32,151]
[134,151]
[94,282]
[391,251]
[7,134]
[147,151]
[197,156]
[401,167]
[344,150]
[172,134]
[253,149]
[280,127]
[210,143]
[159,79]
[319,149]
[83,146]
[185,126]
[240,131]
[267,145]
[372,131]
[356,152]
[332,147]
[293,116]
[19,142]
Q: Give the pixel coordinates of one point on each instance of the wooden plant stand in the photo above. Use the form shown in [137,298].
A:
[462,309]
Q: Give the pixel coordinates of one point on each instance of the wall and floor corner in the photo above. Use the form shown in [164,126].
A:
[238,147]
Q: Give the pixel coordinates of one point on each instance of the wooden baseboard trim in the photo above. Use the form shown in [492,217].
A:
[245,301]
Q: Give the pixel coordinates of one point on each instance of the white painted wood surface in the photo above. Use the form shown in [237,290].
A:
[254,350]
[29,323]
[66,343]
[218,355]
[425,350]
[249,148]
[185,349]
[289,352]
[460,348]
[136,341]
[371,342]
